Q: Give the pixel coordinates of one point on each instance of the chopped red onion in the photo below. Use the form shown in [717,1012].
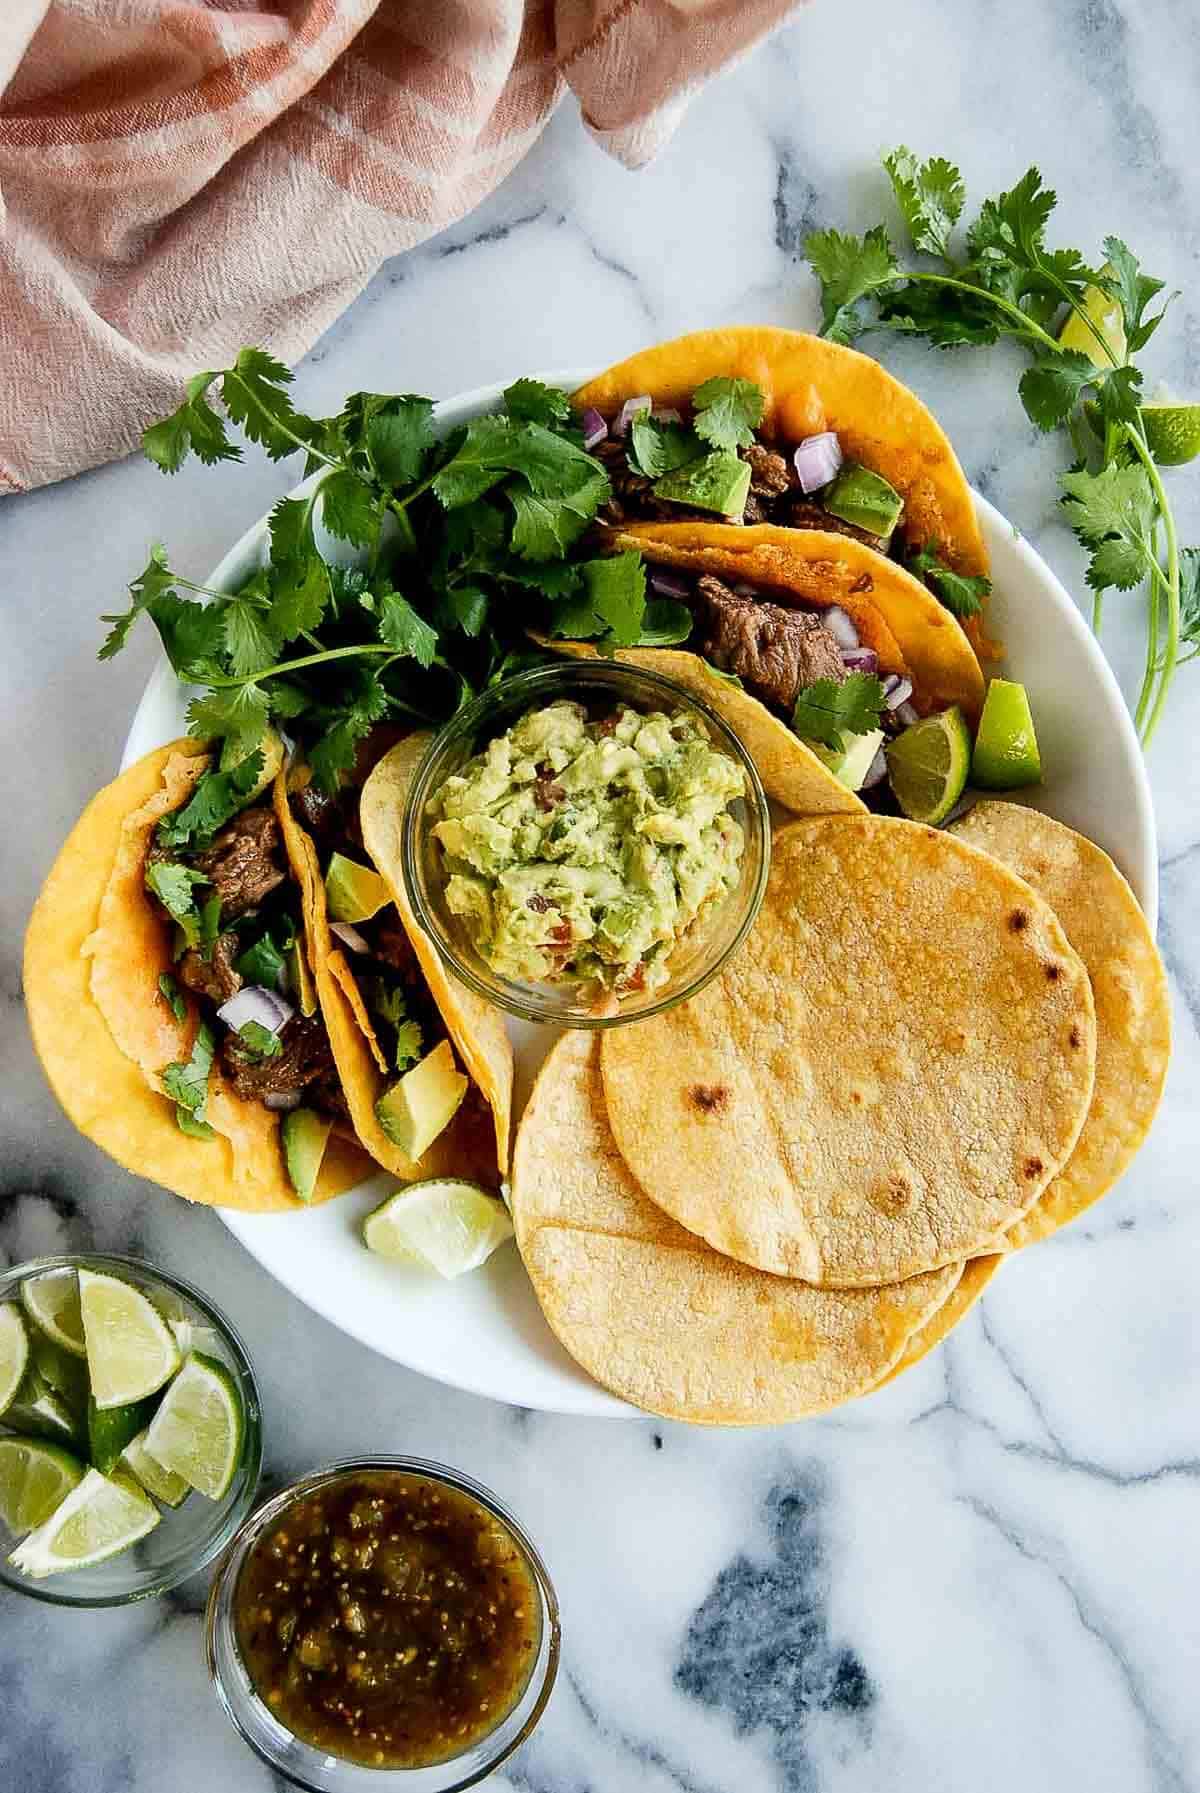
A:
[669,585]
[349,937]
[594,429]
[283,1100]
[628,412]
[907,714]
[817,460]
[899,694]
[840,626]
[876,772]
[256,1003]
[664,414]
[860,659]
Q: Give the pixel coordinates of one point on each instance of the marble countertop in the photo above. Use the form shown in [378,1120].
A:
[985,1577]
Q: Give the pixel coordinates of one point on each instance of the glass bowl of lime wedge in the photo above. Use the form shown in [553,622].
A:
[130,1430]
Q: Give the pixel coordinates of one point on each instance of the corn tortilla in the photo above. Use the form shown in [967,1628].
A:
[656,1316]
[977,1274]
[883,1080]
[93,931]
[1106,927]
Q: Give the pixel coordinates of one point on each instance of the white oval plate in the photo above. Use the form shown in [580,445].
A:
[485,1332]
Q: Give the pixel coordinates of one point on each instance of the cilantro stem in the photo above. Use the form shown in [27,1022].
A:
[1026,324]
[284,666]
[1151,672]
[1137,441]
[275,424]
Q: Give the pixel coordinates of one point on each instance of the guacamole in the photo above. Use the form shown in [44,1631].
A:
[579,849]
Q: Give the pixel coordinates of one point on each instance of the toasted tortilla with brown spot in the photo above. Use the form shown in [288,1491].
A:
[656,1316]
[1106,927]
[94,950]
[810,385]
[476,1027]
[900,1077]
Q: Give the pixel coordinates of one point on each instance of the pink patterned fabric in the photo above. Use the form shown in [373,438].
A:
[180,177]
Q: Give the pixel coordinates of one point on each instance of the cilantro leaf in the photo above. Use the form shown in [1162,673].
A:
[172,995]
[218,797]
[553,578]
[544,527]
[238,714]
[961,593]
[187,1084]
[944,316]
[187,1123]
[194,428]
[616,591]
[263,961]
[299,579]
[665,623]
[396,434]
[349,509]
[656,448]
[464,607]
[259,1041]
[849,268]
[826,710]
[727,412]
[930,195]
[1051,388]
[1012,226]
[1133,290]
[408,1044]
[154,581]
[1119,394]
[174,886]
[364,703]
[401,628]
[249,641]
[533,402]
[1189,595]
[255,394]
[1113,513]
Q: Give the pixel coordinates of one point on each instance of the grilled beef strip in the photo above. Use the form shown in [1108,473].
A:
[244,863]
[772,649]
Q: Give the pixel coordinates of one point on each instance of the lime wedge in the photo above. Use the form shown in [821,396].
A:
[1172,431]
[14,1353]
[35,1479]
[52,1303]
[1006,751]
[1105,314]
[60,1370]
[198,1430]
[100,1517]
[443,1225]
[191,1337]
[162,1483]
[111,1428]
[928,765]
[130,1350]
[42,1411]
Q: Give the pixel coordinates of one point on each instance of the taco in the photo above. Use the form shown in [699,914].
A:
[207,1044]
[778,617]
[754,425]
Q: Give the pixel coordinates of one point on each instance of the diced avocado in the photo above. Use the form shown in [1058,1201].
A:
[864,499]
[300,978]
[272,752]
[851,766]
[305,1135]
[354,892]
[414,1111]
[716,482]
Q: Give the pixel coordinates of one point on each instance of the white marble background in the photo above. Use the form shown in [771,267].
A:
[983,1579]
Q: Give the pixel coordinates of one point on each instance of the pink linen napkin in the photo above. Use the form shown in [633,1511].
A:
[180,177]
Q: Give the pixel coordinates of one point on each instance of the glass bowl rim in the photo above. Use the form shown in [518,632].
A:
[218,1616]
[598,672]
[11,1278]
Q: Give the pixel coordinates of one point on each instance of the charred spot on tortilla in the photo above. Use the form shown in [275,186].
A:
[894,1197]
[1033,1167]
[709,1098]
[1018,921]
[1075,1037]
[1053,971]
[863,583]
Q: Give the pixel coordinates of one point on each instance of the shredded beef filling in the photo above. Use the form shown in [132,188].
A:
[773,650]
[304,1057]
[214,977]
[244,863]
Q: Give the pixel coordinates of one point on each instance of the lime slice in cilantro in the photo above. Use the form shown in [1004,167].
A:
[1172,431]
[1006,751]
[1105,315]
[928,764]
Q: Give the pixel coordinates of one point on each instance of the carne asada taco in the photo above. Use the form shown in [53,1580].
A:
[815,649]
[134,945]
[763,425]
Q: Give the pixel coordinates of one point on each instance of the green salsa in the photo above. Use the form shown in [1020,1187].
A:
[388,1619]
[582,850]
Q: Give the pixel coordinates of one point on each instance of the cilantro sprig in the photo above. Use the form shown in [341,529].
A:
[828,710]
[1007,282]
[460,545]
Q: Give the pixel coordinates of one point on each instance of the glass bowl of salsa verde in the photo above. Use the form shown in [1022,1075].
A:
[586,843]
[383,1621]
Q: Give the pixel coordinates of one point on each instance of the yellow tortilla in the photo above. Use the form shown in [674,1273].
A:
[790,771]
[465,1148]
[826,569]
[884,1078]
[810,385]
[977,1274]
[1106,927]
[656,1316]
[92,937]
[476,1027]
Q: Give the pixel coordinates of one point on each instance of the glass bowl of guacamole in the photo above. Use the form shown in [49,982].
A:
[383,1620]
[586,844]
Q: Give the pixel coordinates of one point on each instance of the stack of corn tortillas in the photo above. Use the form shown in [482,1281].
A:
[933,1049]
